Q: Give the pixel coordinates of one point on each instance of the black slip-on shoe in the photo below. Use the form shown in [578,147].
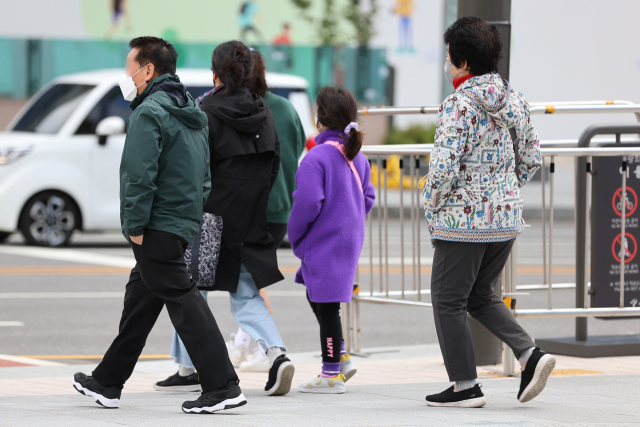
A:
[178,383]
[470,398]
[280,377]
[216,400]
[109,397]
[534,377]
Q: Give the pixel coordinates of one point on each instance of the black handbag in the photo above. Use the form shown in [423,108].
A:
[203,254]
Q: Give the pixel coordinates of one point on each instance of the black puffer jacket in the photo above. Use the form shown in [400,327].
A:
[245,158]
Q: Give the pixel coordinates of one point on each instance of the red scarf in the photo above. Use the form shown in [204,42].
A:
[459,80]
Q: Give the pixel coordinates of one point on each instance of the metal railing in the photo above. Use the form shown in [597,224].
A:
[603,107]
[412,295]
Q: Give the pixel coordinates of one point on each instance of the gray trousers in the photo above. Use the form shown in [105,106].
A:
[462,280]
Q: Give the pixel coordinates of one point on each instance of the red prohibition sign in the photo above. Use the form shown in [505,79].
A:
[630,209]
[618,240]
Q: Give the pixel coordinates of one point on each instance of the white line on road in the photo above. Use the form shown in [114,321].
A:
[8,323]
[29,361]
[70,255]
[119,295]
[272,293]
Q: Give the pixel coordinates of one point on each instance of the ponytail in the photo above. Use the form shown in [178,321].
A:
[338,109]
[353,144]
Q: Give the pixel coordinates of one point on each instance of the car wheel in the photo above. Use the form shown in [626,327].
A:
[49,219]
[4,237]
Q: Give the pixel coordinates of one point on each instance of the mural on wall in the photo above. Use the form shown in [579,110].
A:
[120,10]
[324,41]
[202,21]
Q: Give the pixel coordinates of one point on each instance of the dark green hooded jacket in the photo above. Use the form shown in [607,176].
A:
[292,140]
[164,172]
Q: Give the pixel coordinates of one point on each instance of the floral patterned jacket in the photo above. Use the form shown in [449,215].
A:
[472,190]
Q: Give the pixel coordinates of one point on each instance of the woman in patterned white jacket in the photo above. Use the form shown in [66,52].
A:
[485,149]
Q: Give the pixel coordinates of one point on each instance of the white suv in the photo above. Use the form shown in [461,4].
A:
[60,156]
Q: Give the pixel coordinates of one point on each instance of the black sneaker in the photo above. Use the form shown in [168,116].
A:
[469,398]
[109,397]
[280,377]
[179,383]
[534,378]
[216,400]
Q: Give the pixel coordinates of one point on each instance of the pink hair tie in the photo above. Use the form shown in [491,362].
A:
[352,125]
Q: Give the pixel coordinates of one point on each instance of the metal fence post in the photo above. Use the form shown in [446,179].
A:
[402,225]
[544,231]
[379,202]
[347,324]
[355,324]
[552,169]
[418,254]
[386,230]
[623,224]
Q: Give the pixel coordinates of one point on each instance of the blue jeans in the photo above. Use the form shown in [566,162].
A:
[251,313]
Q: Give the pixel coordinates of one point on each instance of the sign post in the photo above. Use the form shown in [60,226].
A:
[614,248]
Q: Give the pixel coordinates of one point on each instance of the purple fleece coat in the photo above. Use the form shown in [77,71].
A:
[326,227]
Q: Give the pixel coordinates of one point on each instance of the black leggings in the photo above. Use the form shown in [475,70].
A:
[328,315]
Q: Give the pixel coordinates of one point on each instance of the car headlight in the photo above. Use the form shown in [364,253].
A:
[7,155]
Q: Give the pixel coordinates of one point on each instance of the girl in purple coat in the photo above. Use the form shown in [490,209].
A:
[326,227]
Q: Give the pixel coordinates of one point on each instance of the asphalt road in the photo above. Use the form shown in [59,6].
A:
[68,302]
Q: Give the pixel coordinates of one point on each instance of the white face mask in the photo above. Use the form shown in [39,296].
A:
[319,128]
[448,71]
[128,86]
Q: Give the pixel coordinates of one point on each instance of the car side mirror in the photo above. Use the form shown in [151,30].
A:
[108,126]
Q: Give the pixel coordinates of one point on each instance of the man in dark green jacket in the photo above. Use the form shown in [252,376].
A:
[292,140]
[164,184]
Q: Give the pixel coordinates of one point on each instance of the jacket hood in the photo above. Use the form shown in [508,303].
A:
[167,91]
[489,92]
[241,110]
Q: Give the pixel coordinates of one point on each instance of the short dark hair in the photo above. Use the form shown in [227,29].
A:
[472,40]
[258,84]
[337,107]
[156,51]
[233,64]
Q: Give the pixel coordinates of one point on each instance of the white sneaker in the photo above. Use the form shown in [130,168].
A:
[324,385]
[258,362]
[347,367]
[237,354]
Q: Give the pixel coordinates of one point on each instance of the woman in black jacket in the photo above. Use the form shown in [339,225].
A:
[245,158]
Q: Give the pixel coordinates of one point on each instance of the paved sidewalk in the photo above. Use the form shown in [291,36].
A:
[388,390]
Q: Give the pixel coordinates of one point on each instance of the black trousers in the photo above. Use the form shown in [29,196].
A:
[462,280]
[328,315]
[160,278]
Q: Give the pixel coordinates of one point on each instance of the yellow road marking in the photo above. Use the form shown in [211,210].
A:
[555,372]
[574,372]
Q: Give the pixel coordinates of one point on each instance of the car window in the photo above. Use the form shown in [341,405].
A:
[300,101]
[286,92]
[51,111]
[112,104]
